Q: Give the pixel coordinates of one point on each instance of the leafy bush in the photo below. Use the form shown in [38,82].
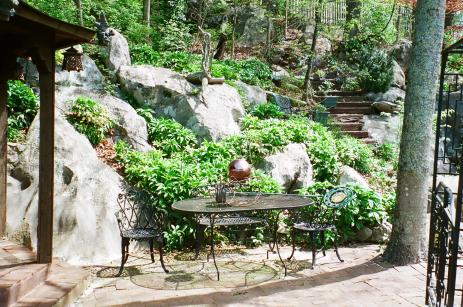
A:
[323,153]
[267,110]
[387,152]
[90,118]
[355,153]
[375,73]
[167,135]
[366,209]
[22,106]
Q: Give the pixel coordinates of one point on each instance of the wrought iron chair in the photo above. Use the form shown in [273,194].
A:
[138,220]
[322,219]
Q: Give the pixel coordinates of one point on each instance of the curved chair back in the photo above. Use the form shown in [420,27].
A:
[137,211]
[338,197]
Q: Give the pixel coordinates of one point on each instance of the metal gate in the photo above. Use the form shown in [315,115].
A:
[444,275]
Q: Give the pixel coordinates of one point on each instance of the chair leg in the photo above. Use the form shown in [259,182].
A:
[151,250]
[124,250]
[161,258]
[336,246]
[322,239]
[313,242]
[293,239]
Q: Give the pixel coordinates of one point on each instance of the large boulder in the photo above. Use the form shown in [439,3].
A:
[401,52]
[291,167]
[212,113]
[348,175]
[118,51]
[90,77]
[381,233]
[398,76]
[128,125]
[255,28]
[279,73]
[254,95]
[385,107]
[86,192]
[323,46]
[393,94]
[383,129]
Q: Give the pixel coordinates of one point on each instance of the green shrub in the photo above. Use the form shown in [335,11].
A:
[387,152]
[355,153]
[267,110]
[22,107]
[323,153]
[90,118]
[167,135]
[366,209]
[375,70]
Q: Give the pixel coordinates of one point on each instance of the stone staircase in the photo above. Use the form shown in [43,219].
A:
[348,115]
[23,282]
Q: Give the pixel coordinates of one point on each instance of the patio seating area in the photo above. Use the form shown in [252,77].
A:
[247,277]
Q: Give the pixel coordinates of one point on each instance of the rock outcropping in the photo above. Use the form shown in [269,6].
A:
[85,198]
[291,167]
[212,113]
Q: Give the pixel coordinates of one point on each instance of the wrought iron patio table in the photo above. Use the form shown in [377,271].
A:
[239,203]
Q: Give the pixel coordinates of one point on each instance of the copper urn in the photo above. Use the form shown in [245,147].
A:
[239,170]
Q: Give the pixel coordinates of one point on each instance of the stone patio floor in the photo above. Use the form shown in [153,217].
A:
[249,279]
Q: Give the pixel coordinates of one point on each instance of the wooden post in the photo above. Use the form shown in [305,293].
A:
[46,155]
[3,153]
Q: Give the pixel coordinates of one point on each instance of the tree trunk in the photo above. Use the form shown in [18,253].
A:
[408,239]
[286,17]
[78,5]
[235,18]
[308,92]
[220,50]
[147,12]
[353,11]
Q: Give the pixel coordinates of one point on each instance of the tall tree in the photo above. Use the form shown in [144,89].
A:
[147,12]
[308,91]
[78,5]
[408,239]
[353,11]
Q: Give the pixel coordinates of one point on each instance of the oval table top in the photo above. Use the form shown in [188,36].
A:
[242,202]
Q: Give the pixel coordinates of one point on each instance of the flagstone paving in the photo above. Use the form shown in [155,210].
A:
[249,279]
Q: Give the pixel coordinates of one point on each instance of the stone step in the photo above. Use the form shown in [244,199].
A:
[19,280]
[351,99]
[369,141]
[347,118]
[358,104]
[358,134]
[358,110]
[64,284]
[350,126]
[344,93]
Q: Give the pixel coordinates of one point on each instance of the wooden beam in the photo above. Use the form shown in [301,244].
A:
[46,153]
[3,154]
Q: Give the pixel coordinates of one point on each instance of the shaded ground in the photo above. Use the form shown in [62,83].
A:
[248,278]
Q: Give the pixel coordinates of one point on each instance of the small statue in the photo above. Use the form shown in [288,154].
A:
[103,33]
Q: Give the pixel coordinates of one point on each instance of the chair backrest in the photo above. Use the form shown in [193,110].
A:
[137,211]
[338,197]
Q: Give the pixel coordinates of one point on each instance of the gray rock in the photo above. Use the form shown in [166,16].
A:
[348,175]
[90,77]
[401,52]
[381,233]
[393,94]
[364,234]
[31,74]
[254,95]
[86,190]
[384,106]
[399,75]
[129,126]
[291,167]
[279,73]
[118,51]
[212,113]
[285,103]
[323,46]
[255,28]
[383,129]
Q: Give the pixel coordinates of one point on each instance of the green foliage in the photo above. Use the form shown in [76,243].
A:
[366,209]
[251,71]
[167,135]
[259,182]
[267,110]
[90,118]
[355,153]
[323,153]
[175,35]
[22,106]
[387,152]
[375,70]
